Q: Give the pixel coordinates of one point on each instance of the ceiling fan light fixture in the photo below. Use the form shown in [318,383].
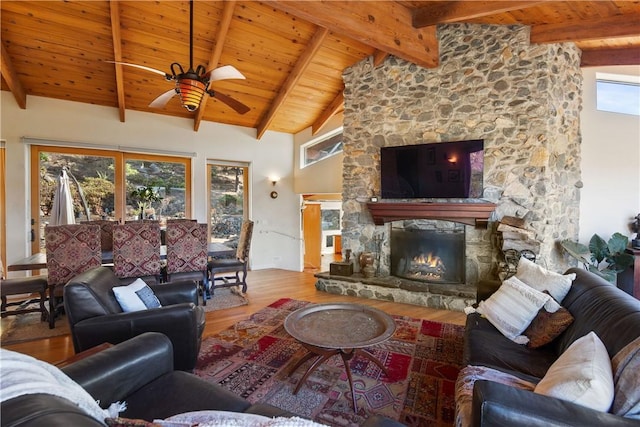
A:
[191,92]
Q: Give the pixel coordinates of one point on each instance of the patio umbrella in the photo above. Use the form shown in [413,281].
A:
[62,212]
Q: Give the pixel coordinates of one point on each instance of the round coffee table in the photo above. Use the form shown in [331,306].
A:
[344,329]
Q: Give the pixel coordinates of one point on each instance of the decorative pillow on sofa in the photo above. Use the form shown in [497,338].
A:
[542,279]
[582,375]
[546,326]
[512,308]
[626,378]
[136,296]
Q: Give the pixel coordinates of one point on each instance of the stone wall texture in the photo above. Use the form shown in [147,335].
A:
[524,100]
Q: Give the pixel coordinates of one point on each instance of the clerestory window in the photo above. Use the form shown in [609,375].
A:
[321,148]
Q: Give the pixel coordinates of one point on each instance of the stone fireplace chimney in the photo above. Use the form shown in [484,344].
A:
[523,100]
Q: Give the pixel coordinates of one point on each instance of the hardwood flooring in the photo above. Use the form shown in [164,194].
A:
[265,287]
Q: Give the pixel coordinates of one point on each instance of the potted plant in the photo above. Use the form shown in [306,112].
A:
[144,196]
[606,259]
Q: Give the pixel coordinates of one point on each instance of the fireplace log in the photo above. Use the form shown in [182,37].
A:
[520,245]
[508,228]
[512,221]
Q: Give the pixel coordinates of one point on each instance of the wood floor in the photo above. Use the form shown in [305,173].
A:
[265,287]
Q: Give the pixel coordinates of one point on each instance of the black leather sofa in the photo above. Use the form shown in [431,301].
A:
[139,372]
[95,316]
[596,306]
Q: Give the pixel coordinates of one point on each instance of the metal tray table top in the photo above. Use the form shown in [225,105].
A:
[340,325]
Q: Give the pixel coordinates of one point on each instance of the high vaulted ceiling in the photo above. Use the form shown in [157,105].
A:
[292,53]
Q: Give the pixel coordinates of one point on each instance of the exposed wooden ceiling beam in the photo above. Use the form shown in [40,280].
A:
[338,103]
[383,25]
[597,57]
[214,59]
[117,54]
[379,57]
[10,76]
[456,11]
[292,79]
[592,29]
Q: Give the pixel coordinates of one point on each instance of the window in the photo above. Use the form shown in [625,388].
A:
[618,93]
[228,200]
[101,182]
[322,148]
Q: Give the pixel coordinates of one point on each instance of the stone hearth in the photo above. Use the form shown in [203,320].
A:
[389,288]
[523,100]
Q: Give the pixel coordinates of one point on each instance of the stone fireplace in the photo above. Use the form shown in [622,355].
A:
[523,100]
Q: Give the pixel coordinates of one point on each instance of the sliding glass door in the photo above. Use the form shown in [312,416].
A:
[104,184]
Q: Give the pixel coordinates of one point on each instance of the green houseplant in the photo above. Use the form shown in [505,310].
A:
[144,196]
[604,258]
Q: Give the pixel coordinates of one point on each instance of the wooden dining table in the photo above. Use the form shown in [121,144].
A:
[39,261]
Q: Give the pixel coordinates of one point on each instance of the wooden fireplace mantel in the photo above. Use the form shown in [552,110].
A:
[476,214]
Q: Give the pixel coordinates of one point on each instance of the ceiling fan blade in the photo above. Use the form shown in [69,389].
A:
[162,100]
[236,105]
[224,73]
[142,67]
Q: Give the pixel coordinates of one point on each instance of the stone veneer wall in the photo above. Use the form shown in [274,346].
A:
[524,100]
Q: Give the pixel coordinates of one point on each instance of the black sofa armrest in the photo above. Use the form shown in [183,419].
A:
[113,374]
[500,405]
[176,292]
[178,322]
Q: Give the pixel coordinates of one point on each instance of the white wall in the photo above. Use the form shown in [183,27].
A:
[610,164]
[321,177]
[277,237]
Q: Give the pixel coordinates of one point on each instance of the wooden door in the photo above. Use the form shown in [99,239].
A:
[312,230]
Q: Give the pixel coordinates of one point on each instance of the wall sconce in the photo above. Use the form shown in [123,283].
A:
[274,181]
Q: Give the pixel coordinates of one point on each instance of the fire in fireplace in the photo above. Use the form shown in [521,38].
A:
[428,255]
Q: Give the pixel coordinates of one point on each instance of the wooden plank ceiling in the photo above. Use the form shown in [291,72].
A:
[292,53]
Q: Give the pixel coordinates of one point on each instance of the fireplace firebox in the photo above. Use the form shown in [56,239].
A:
[434,256]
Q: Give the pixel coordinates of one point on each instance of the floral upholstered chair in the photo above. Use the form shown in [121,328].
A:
[106,233]
[187,243]
[136,251]
[71,250]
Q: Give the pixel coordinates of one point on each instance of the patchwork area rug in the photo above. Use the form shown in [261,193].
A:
[253,359]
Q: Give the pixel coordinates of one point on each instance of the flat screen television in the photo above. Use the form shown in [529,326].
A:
[435,170]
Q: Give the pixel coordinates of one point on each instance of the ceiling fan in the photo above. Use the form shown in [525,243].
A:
[191,85]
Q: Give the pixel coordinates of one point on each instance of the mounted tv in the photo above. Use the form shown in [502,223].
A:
[435,170]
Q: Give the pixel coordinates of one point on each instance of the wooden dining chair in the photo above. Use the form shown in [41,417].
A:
[71,250]
[233,272]
[136,251]
[27,287]
[187,243]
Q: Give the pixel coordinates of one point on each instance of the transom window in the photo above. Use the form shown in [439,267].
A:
[617,93]
[322,148]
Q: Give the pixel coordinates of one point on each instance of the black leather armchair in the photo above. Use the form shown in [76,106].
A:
[95,316]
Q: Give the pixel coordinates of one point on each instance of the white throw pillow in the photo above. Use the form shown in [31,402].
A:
[582,375]
[540,278]
[136,296]
[512,308]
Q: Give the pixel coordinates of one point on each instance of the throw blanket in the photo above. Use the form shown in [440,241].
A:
[231,419]
[22,374]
